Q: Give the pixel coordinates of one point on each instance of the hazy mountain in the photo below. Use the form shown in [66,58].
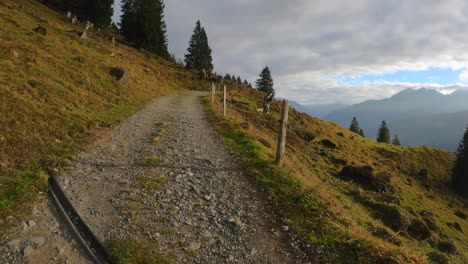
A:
[419,117]
[319,111]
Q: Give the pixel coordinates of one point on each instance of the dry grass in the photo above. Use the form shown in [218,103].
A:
[318,166]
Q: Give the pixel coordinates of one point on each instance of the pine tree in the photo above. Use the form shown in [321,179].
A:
[384,133]
[396,140]
[361,132]
[460,170]
[239,80]
[199,52]
[143,22]
[227,77]
[245,83]
[99,12]
[354,127]
[265,82]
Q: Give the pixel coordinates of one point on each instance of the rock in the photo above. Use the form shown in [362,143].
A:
[253,252]
[364,177]
[391,216]
[447,246]
[24,226]
[40,30]
[38,241]
[327,143]
[457,226]
[14,53]
[31,223]
[168,192]
[418,230]
[194,246]
[207,197]
[83,35]
[27,251]
[13,244]
[35,211]
[460,214]
[285,228]
[120,74]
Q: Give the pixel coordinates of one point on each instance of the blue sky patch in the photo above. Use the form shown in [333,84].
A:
[442,76]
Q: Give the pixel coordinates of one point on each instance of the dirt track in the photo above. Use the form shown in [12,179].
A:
[165,177]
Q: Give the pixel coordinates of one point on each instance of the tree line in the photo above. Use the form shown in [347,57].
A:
[383,135]
[99,12]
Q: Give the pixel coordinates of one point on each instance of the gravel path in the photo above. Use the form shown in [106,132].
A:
[164,177]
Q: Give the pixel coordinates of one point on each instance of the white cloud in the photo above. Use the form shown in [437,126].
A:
[463,76]
[306,42]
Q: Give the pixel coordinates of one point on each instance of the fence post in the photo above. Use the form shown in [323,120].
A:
[213,92]
[282,133]
[224,100]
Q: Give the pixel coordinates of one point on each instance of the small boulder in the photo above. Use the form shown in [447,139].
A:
[460,214]
[391,216]
[27,251]
[13,244]
[418,230]
[40,30]
[120,75]
[327,143]
[37,241]
[447,246]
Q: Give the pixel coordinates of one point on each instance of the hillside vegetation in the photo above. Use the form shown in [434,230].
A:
[399,210]
[56,92]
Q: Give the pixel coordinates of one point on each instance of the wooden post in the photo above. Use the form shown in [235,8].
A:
[213,92]
[282,134]
[224,100]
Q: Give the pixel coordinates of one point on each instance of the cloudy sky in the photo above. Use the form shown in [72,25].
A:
[332,51]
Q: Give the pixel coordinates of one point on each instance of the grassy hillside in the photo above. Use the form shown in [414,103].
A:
[56,91]
[399,215]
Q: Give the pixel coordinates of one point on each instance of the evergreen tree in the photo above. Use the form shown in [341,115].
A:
[396,141]
[97,11]
[227,77]
[245,83]
[265,82]
[384,133]
[361,132]
[250,85]
[354,127]
[143,22]
[199,52]
[239,80]
[460,170]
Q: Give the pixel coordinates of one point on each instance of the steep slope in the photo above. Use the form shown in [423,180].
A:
[56,91]
[377,218]
[412,106]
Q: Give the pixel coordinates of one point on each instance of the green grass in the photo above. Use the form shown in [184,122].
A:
[58,94]
[328,211]
[133,251]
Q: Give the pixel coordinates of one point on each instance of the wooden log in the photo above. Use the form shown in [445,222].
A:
[282,133]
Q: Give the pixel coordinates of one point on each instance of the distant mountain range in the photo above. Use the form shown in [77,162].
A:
[320,111]
[419,117]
